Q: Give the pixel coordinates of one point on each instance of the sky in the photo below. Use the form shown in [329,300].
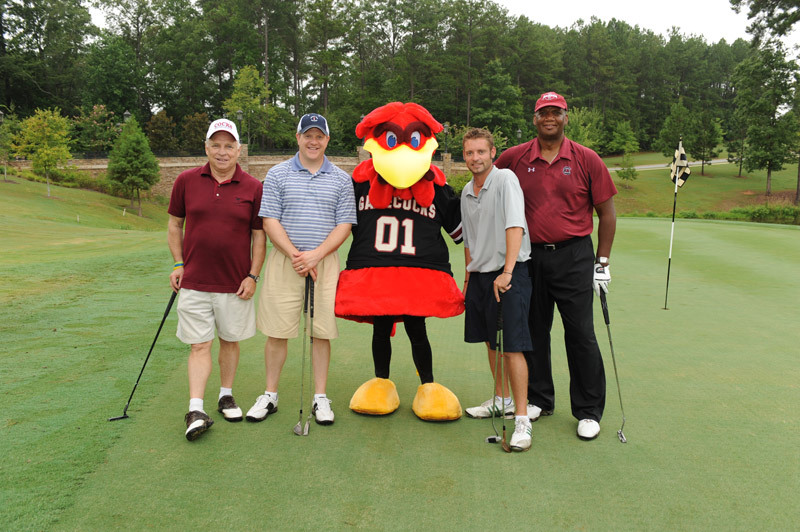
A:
[711,19]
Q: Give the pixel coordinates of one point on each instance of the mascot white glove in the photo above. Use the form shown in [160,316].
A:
[602,276]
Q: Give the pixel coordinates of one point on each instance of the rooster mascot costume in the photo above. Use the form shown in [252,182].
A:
[398,268]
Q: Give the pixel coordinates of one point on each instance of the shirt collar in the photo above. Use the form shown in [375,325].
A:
[564,152]
[236,177]
[327,166]
[486,184]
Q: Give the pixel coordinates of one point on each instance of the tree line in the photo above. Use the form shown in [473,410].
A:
[175,64]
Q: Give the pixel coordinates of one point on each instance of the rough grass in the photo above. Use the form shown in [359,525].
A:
[710,391]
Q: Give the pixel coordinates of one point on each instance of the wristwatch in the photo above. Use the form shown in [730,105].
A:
[602,260]
[254,277]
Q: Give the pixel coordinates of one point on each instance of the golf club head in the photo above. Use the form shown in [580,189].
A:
[622,438]
[123,416]
[493,439]
[305,428]
[298,429]
[506,447]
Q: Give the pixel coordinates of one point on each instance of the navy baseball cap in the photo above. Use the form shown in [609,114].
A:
[313,120]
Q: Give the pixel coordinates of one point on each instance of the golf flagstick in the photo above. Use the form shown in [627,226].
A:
[298,428]
[604,304]
[679,173]
[166,313]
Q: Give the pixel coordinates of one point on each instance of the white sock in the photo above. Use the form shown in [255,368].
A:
[521,419]
[196,404]
[273,395]
[225,391]
[320,396]
[502,400]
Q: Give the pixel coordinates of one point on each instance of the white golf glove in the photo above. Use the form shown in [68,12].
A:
[602,276]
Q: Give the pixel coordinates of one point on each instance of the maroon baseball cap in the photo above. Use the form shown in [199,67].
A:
[550,99]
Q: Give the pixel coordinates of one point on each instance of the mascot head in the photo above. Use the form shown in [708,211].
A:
[400,138]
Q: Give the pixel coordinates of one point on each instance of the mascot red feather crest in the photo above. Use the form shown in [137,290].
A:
[400,138]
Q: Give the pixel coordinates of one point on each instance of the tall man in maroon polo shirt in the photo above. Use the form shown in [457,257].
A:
[218,256]
[562,183]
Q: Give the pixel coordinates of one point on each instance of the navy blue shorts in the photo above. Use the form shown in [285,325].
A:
[480,322]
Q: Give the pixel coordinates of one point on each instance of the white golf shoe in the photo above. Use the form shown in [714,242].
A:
[322,411]
[588,429]
[265,405]
[534,412]
[522,437]
[486,408]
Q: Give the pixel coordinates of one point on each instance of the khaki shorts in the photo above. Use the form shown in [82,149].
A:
[280,302]
[199,313]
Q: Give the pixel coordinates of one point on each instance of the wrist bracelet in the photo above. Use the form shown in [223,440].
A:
[177,265]
[509,273]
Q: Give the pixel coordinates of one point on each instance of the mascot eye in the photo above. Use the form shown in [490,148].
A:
[391,139]
[416,139]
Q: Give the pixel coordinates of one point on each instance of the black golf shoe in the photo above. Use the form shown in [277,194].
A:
[229,409]
[197,423]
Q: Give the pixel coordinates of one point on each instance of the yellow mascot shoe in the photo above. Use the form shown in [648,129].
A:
[434,402]
[376,397]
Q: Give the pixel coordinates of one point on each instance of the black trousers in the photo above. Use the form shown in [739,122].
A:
[563,278]
[420,346]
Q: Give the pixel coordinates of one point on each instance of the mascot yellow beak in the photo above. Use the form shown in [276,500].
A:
[402,166]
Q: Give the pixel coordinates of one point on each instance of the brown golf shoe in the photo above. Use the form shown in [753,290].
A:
[229,409]
[197,423]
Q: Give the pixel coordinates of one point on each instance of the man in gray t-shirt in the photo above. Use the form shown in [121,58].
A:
[496,248]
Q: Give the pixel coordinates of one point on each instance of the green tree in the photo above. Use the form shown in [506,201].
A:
[765,82]
[704,138]
[623,139]
[250,97]
[498,102]
[627,170]
[44,139]
[585,127]
[131,163]
[161,132]
[95,130]
[9,128]
[112,75]
[193,132]
[777,16]
[677,125]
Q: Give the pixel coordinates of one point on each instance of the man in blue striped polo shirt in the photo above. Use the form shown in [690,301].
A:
[308,207]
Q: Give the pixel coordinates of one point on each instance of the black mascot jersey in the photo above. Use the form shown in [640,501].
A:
[404,234]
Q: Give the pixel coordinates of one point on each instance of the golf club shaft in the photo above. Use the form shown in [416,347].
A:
[604,305]
[166,313]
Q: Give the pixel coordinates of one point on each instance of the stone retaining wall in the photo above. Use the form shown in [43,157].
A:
[255,165]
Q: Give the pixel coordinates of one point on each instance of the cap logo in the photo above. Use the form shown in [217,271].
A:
[313,118]
[550,96]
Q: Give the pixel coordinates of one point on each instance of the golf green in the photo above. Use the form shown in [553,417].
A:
[710,390]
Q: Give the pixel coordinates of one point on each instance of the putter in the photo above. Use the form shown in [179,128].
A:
[311,341]
[166,313]
[298,428]
[499,357]
[604,304]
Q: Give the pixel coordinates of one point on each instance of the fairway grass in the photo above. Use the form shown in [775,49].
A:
[710,390]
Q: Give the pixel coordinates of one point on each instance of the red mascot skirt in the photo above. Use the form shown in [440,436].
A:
[395,291]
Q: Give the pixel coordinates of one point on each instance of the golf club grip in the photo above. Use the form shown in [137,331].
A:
[311,295]
[604,304]
[305,296]
[500,314]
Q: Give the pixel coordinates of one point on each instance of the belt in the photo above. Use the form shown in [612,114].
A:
[557,245]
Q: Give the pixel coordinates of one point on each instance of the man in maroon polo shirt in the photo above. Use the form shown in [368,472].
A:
[218,255]
[562,183]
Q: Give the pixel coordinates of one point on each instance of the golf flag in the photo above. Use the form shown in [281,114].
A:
[679,169]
